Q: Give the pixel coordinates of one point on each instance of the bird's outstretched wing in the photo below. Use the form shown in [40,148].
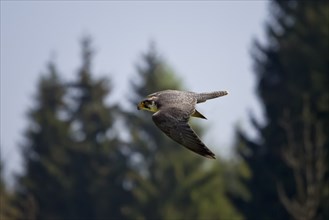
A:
[174,123]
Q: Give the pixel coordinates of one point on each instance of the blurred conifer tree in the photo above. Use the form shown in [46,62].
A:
[45,151]
[289,161]
[98,166]
[170,181]
[74,168]
[8,209]
[77,168]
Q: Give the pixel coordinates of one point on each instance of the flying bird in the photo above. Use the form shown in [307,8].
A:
[172,111]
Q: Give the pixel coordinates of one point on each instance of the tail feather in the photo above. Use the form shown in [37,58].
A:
[202,97]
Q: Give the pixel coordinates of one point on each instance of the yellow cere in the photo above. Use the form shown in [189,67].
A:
[148,106]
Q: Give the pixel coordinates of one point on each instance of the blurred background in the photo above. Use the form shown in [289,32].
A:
[73,145]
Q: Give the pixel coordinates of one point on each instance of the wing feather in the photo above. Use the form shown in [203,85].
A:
[174,123]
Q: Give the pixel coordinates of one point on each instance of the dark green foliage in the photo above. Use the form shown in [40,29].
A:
[74,168]
[289,172]
[97,166]
[78,168]
[8,209]
[170,182]
[45,151]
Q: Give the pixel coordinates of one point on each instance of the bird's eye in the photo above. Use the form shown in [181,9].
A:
[146,103]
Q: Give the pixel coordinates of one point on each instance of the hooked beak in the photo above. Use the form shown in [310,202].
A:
[140,106]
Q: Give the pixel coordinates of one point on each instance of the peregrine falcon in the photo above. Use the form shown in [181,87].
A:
[172,110]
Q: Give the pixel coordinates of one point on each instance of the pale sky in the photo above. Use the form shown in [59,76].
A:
[207,44]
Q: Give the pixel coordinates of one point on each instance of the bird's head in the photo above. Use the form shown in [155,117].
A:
[148,105]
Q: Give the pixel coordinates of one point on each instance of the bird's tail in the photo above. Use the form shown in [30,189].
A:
[202,97]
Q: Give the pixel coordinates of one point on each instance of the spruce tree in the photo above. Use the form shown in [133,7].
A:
[45,151]
[74,165]
[169,182]
[98,166]
[8,209]
[288,160]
